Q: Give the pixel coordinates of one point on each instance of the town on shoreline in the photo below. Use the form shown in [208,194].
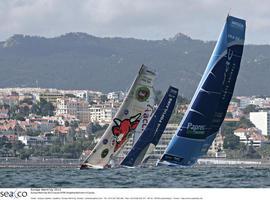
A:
[66,124]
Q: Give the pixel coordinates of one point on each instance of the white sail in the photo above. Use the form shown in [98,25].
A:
[146,116]
[125,121]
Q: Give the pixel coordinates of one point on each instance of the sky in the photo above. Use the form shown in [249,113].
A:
[142,19]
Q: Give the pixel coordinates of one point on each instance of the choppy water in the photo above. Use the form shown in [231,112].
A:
[206,177]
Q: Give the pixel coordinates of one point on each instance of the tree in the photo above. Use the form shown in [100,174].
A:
[74,124]
[17,146]
[43,108]
[35,109]
[46,108]
[96,127]
[229,115]
[234,99]
[19,117]
[103,98]
[231,142]
[71,135]
[245,123]
[70,96]
[24,111]
[227,130]
[28,101]
[182,100]
[249,108]
[3,141]
[13,110]
[66,124]
[25,154]
[264,150]
[33,133]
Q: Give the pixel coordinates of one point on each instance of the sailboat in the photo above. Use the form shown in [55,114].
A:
[209,104]
[125,121]
[151,135]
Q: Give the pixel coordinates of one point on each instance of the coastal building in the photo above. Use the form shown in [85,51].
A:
[82,94]
[244,101]
[102,113]
[182,108]
[75,107]
[10,99]
[261,120]
[250,136]
[33,140]
[4,113]
[161,146]
[165,139]
[116,96]
[63,118]
[94,96]
[51,96]
[260,102]
[10,127]
[216,149]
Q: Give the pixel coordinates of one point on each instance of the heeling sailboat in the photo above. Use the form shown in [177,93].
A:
[125,121]
[153,131]
[209,104]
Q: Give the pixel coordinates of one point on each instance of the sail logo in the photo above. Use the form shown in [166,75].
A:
[104,153]
[195,129]
[146,115]
[163,114]
[142,93]
[173,92]
[229,71]
[123,127]
[237,25]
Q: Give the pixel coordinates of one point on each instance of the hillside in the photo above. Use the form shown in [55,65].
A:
[79,60]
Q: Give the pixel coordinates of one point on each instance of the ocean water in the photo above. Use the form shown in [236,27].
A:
[165,177]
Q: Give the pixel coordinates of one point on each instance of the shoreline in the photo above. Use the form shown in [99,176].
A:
[39,163]
[75,163]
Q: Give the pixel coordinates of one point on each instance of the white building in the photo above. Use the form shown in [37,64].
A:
[75,107]
[119,95]
[261,120]
[33,141]
[244,101]
[217,147]
[82,94]
[102,113]
[251,136]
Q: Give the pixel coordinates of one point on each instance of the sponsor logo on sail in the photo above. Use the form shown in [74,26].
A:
[126,111]
[146,115]
[195,129]
[105,141]
[142,93]
[238,25]
[123,127]
[104,153]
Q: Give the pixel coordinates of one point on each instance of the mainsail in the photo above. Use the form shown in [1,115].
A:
[153,131]
[125,121]
[209,104]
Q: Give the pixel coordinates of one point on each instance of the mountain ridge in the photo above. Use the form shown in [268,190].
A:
[80,60]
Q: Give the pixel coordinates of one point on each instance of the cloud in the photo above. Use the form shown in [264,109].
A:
[147,19]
